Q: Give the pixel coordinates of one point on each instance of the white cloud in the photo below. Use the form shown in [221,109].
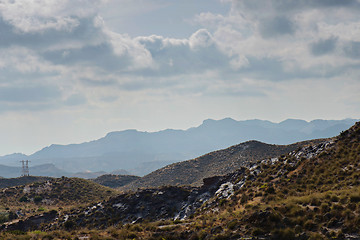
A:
[123,45]
[201,39]
[296,36]
[38,15]
[272,42]
[24,60]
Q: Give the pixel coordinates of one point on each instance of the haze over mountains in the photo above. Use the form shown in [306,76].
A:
[49,169]
[143,152]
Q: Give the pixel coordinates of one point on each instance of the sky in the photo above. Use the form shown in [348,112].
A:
[73,70]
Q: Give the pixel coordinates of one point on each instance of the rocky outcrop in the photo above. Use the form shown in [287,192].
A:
[31,223]
[168,202]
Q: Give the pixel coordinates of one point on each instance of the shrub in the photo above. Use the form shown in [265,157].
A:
[232,224]
[23,199]
[309,225]
[283,234]
[38,199]
[324,208]
[351,206]
[17,232]
[4,217]
[334,198]
[222,202]
[355,198]
[316,236]
[257,232]
[314,202]
[69,224]
[132,236]
[270,190]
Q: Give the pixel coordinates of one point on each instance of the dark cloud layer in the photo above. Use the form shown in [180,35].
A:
[284,6]
[101,56]
[352,49]
[323,46]
[317,3]
[277,26]
[30,94]
[276,18]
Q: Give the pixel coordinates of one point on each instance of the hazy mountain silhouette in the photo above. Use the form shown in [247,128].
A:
[39,170]
[132,150]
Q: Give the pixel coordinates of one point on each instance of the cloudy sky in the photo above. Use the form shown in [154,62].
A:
[73,70]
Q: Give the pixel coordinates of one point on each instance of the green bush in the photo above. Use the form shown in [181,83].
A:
[4,217]
[283,234]
[232,224]
[355,198]
[41,209]
[257,232]
[324,208]
[37,199]
[316,236]
[69,224]
[310,225]
[23,199]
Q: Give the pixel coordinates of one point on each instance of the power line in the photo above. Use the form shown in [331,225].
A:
[25,168]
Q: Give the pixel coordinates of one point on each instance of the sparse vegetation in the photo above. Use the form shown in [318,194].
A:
[218,163]
[292,198]
[115,181]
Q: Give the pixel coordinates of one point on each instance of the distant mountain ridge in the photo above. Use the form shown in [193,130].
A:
[39,170]
[131,149]
[50,170]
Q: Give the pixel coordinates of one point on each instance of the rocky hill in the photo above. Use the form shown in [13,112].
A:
[47,194]
[311,193]
[11,182]
[60,190]
[218,163]
[115,181]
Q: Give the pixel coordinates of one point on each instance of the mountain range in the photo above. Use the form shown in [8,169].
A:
[50,170]
[143,152]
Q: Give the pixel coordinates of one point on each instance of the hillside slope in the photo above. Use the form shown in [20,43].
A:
[222,162]
[45,195]
[114,181]
[312,192]
[11,182]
